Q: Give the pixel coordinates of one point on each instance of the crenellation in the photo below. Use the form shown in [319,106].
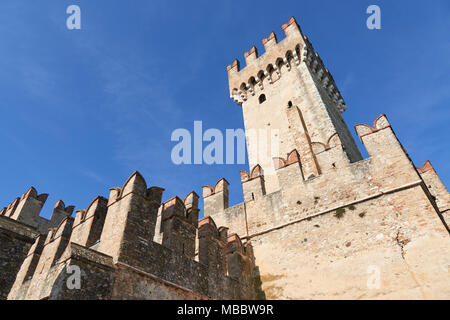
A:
[179,232]
[114,194]
[112,240]
[192,210]
[435,186]
[270,41]
[216,198]
[289,171]
[223,233]
[29,207]
[89,223]
[211,245]
[238,262]
[130,220]
[292,28]
[260,68]
[251,55]
[12,207]
[253,184]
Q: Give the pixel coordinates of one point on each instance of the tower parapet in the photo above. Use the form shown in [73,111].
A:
[266,69]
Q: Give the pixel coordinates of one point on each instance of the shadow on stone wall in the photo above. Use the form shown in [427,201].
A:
[257,284]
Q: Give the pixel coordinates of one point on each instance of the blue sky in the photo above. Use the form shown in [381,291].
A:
[82,109]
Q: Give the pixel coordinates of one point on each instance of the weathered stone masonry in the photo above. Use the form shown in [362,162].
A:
[130,246]
[319,216]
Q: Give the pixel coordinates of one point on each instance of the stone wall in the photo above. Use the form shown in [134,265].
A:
[16,240]
[112,244]
[323,238]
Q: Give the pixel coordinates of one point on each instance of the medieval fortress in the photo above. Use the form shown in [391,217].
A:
[323,224]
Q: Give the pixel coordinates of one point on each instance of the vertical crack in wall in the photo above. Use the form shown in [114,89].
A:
[402,242]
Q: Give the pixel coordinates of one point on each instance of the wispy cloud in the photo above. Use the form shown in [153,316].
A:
[92,175]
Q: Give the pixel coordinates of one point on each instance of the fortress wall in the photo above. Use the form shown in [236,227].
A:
[15,241]
[194,259]
[97,276]
[331,258]
[134,284]
[27,269]
[303,250]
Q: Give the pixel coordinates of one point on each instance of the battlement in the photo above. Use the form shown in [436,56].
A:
[436,188]
[297,180]
[115,235]
[15,208]
[27,209]
[378,136]
[332,142]
[216,198]
[89,223]
[256,172]
[279,58]
[179,231]
[135,184]
[381,122]
[388,168]
[253,183]
[292,157]
[426,167]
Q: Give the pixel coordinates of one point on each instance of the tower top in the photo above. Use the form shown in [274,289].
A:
[289,52]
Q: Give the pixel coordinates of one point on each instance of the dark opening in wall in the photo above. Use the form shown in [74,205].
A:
[262,98]
[290,104]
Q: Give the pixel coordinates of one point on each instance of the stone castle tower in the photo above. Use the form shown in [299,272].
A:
[288,89]
[317,222]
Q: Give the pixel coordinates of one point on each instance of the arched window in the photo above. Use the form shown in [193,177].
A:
[262,98]
[252,82]
[289,56]
[297,50]
[279,65]
[261,75]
